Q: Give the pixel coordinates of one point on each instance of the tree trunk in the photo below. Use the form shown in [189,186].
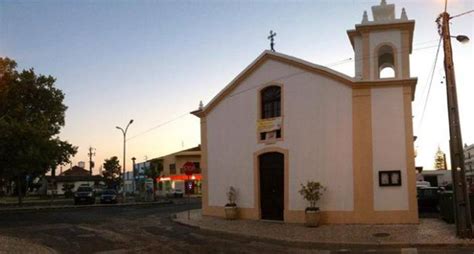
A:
[20,198]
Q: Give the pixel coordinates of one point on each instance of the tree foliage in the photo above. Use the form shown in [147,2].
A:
[312,192]
[154,171]
[111,172]
[31,116]
[155,168]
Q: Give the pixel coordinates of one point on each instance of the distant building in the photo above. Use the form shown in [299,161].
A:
[139,176]
[440,160]
[436,178]
[173,176]
[77,176]
[129,184]
[469,160]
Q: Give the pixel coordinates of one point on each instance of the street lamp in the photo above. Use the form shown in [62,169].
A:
[462,38]
[124,132]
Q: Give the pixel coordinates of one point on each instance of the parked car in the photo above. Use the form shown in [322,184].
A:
[84,195]
[108,196]
[175,193]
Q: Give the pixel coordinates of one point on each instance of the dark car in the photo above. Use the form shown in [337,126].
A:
[84,195]
[428,199]
[108,196]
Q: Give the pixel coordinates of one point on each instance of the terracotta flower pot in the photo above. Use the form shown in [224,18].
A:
[312,217]
[231,212]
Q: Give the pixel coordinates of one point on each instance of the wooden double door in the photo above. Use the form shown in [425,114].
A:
[271,168]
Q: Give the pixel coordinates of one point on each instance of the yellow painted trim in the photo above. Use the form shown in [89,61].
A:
[282,109]
[349,217]
[362,153]
[410,153]
[360,29]
[405,56]
[385,82]
[243,213]
[256,179]
[327,217]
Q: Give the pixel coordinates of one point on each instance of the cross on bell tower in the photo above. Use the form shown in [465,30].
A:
[271,37]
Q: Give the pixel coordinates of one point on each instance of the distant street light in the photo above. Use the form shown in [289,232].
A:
[124,132]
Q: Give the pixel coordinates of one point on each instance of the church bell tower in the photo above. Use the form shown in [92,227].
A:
[382,46]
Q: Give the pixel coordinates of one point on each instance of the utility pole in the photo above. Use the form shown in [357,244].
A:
[133,178]
[91,163]
[124,132]
[462,208]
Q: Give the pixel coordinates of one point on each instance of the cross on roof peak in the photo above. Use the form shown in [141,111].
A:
[271,37]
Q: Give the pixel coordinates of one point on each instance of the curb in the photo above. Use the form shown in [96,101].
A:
[327,244]
[73,207]
[175,220]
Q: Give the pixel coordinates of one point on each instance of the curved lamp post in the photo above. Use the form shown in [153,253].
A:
[124,132]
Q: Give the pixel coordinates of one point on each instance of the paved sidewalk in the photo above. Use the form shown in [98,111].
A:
[15,245]
[430,232]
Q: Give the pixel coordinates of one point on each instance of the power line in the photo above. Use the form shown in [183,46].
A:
[464,13]
[159,125]
[424,42]
[368,57]
[430,82]
[277,79]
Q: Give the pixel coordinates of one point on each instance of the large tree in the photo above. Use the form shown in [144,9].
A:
[154,171]
[31,117]
[111,172]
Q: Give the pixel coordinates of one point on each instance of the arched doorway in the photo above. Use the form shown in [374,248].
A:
[271,169]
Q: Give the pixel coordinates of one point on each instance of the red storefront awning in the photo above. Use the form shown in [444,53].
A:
[179,178]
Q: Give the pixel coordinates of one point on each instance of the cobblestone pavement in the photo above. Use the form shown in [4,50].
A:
[429,231]
[149,229]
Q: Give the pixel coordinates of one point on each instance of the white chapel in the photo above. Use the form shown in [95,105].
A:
[283,121]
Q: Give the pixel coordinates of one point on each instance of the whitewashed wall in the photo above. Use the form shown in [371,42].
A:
[317,132]
[389,148]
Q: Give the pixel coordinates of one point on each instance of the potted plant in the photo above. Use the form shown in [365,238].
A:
[312,192]
[231,207]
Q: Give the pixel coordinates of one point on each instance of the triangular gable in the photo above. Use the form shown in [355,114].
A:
[296,62]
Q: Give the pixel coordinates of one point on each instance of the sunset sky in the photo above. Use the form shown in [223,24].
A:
[153,61]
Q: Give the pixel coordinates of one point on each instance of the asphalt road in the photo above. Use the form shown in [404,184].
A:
[149,229]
